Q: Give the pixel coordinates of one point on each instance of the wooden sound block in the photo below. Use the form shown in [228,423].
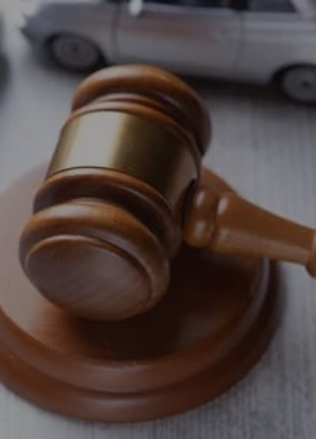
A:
[207,332]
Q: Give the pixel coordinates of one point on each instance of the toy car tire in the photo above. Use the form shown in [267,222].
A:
[75,53]
[298,83]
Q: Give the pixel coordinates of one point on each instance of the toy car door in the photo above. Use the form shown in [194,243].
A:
[194,37]
[274,35]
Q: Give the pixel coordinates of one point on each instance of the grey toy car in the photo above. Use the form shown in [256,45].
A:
[247,40]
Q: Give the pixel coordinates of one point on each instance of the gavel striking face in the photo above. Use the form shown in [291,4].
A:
[124,189]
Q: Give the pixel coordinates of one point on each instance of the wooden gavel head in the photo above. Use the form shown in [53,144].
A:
[123,190]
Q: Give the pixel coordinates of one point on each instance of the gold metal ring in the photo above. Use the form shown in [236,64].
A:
[127,143]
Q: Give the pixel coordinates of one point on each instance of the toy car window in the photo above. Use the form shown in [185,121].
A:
[271,6]
[193,3]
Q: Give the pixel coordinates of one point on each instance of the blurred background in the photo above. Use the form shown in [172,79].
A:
[265,146]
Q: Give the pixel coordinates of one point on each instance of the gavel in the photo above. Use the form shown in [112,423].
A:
[124,191]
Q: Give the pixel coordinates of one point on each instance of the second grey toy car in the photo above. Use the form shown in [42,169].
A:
[260,41]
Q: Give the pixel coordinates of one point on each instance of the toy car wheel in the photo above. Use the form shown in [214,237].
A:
[75,53]
[299,84]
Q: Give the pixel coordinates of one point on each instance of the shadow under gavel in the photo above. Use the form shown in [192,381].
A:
[123,191]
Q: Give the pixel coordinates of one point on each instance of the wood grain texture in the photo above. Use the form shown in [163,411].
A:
[182,103]
[102,257]
[212,326]
[265,147]
[226,223]
[75,252]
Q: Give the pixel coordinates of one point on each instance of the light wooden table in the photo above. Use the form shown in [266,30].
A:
[263,146]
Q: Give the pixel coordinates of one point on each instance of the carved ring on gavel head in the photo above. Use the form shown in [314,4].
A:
[123,191]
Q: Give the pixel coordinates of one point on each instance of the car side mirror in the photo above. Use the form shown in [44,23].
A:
[135,7]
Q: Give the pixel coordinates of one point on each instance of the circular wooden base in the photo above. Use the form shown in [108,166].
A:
[209,330]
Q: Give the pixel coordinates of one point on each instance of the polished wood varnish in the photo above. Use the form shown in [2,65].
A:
[136,284]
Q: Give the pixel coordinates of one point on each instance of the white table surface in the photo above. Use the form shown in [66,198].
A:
[266,148]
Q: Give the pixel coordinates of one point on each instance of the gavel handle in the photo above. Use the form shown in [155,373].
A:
[226,223]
